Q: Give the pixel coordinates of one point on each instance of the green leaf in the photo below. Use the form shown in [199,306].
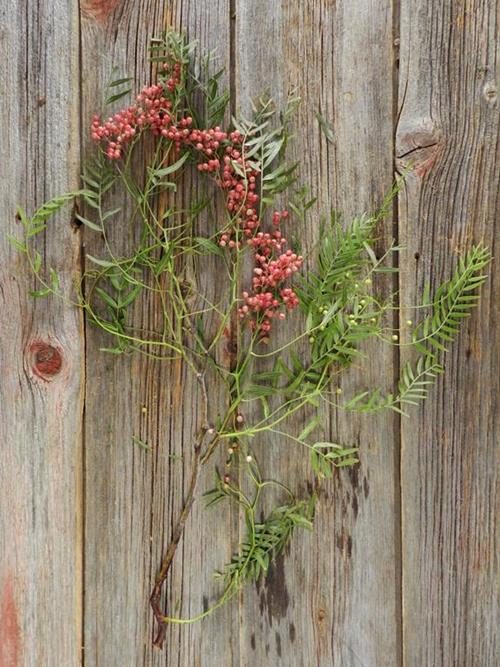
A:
[272,151]
[451,302]
[117,96]
[37,262]
[112,350]
[33,230]
[41,292]
[22,216]
[253,391]
[53,205]
[18,245]
[119,82]
[310,427]
[326,128]
[109,214]
[131,297]
[100,262]
[54,279]
[88,223]
[347,462]
[210,247]
[107,298]
[141,443]
[328,455]
[166,171]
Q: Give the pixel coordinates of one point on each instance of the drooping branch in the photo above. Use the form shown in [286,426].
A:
[172,547]
[155,598]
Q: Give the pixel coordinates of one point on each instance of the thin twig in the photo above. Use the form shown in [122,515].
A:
[179,527]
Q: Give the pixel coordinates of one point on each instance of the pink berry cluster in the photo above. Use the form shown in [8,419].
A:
[222,155]
[273,268]
[151,111]
[239,180]
[173,70]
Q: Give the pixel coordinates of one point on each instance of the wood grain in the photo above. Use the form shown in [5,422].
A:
[317,606]
[401,567]
[133,496]
[449,130]
[41,350]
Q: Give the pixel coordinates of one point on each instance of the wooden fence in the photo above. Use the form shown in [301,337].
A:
[400,569]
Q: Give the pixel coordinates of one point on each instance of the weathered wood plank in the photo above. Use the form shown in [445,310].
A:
[133,496]
[41,350]
[365,626]
[449,130]
[333,599]
[335,596]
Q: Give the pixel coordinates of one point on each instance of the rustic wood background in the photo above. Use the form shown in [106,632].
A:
[401,569]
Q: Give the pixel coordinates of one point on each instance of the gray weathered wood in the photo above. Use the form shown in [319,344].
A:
[317,606]
[449,131]
[41,349]
[401,567]
[133,496]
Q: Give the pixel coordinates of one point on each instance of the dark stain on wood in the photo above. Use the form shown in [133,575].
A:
[354,476]
[274,595]
[46,360]
[354,504]
[278,644]
[252,641]
[10,636]
[231,348]
[344,544]
[292,632]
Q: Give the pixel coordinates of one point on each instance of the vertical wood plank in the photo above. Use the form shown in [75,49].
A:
[333,599]
[365,625]
[449,130]
[41,350]
[133,496]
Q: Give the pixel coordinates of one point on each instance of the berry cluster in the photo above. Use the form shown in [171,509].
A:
[273,266]
[151,111]
[222,155]
[273,269]
[173,70]
[239,180]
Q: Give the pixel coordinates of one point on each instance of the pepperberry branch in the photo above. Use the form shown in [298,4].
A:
[183,113]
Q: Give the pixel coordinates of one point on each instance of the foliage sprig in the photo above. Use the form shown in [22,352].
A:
[174,127]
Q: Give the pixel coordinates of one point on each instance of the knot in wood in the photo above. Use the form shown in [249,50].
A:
[98,10]
[231,348]
[46,360]
[490,92]
[419,144]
